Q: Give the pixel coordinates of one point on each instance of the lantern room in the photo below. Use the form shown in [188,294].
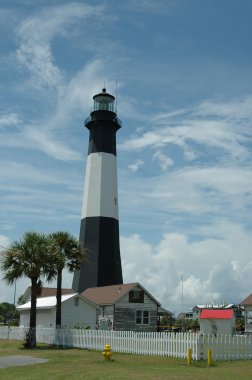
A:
[104,101]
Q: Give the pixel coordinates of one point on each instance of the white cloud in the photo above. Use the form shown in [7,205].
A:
[89,80]
[194,191]
[27,173]
[162,159]
[36,34]
[134,167]
[226,127]
[151,6]
[8,120]
[214,270]
[45,141]
[4,241]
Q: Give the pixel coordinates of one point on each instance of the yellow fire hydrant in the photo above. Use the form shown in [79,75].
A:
[107,352]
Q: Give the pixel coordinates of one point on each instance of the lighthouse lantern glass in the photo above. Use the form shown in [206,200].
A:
[104,102]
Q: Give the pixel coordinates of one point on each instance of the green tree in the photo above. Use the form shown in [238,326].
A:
[7,312]
[28,258]
[68,253]
[187,324]
[240,324]
[167,321]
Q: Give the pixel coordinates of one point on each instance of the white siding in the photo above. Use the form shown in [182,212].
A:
[217,326]
[24,318]
[82,315]
[46,317]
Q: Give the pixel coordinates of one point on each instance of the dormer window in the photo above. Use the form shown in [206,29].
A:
[136,296]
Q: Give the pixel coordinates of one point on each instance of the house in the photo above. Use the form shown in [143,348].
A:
[124,307]
[76,311]
[247,304]
[188,315]
[217,321]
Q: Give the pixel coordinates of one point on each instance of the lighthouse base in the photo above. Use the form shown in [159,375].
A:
[100,237]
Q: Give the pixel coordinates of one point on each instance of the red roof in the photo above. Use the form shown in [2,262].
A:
[216,314]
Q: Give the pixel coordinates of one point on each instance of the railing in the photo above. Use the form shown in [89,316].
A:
[115,119]
[224,347]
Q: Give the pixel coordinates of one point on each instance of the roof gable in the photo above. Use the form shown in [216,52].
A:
[46,302]
[247,301]
[109,295]
[216,314]
[50,302]
[44,292]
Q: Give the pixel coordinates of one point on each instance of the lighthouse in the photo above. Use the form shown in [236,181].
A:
[99,231]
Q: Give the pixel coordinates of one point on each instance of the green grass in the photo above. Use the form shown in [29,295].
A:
[84,364]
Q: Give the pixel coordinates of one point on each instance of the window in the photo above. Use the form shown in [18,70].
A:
[136,296]
[138,317]
[142,317]
[145,317]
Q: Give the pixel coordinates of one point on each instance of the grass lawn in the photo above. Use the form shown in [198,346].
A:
[84,364]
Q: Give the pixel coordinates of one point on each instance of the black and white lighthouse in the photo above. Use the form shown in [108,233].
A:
[99,232]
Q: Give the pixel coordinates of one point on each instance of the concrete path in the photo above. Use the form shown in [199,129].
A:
[13,361]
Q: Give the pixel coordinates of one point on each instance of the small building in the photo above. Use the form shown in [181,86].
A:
[247,304]
[124,307]
[76,311]
[238,311]
[217,321]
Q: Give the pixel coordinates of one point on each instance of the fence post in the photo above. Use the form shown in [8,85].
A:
[189,356]
[209,358]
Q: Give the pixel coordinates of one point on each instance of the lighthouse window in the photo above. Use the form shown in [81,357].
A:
[115,201]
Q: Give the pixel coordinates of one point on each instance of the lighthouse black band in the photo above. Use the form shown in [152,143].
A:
[100,237]
[102,138]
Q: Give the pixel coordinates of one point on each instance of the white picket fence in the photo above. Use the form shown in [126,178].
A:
[224,347]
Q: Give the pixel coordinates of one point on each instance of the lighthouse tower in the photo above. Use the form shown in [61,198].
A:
[99,232]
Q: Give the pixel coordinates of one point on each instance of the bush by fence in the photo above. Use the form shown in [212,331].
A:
[224,347]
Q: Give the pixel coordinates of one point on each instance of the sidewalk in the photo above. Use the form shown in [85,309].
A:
[14,361]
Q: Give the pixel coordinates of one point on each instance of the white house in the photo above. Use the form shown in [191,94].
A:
[213,321]
[76,310]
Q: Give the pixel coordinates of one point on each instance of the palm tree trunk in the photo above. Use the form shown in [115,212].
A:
[58,299]
[31,334]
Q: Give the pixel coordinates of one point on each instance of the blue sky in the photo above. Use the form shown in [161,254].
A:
[183,72]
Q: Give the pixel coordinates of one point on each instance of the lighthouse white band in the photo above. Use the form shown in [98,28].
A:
[100,190]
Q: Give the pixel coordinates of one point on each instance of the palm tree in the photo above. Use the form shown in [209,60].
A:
[28,258]
[68,253]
